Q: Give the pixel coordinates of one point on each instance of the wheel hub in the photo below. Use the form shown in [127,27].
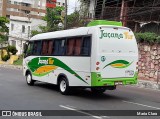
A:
[28,79]
[63,86]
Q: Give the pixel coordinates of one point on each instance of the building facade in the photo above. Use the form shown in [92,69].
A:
[54,3]
[24,16]
[60,2]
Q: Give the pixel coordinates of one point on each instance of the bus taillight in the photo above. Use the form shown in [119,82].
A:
[97,63]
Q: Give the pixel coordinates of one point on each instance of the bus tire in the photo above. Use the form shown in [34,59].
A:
[111,88]
[98,90]
[64,86]
[29,79]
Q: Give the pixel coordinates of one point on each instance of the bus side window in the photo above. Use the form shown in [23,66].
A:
[45,47]
[29,49]
[50,47]
[86,46]
[59,47]
[74,46]
[78,44]
[70,46]
[37,48]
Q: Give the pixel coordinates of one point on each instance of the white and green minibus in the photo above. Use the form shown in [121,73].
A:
[100,56]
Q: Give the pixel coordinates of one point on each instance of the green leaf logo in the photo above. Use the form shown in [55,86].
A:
[119,64]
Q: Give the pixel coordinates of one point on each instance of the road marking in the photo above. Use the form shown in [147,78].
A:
[151,89]
[71,108]
[141,104]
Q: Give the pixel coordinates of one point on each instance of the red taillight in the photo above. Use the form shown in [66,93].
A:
[97,63]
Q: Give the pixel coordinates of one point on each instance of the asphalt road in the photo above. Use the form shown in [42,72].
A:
[15,94]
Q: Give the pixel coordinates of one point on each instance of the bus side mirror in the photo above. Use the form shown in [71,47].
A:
[25,48]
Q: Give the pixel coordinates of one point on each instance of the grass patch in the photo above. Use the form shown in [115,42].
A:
[18,62]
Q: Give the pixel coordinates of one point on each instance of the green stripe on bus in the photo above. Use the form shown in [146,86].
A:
[97,80]
[50,61]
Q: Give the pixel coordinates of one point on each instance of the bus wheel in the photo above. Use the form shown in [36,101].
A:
[29,80]
[64,86]
[111,87]
[98,90]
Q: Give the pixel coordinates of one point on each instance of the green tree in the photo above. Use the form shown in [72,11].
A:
[3,29]
[53,17]
[75,20]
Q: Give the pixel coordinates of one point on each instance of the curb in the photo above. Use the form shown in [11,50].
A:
[11,66]
[148,84]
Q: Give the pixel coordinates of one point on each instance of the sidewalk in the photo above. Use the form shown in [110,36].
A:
[148,84]
[11,66]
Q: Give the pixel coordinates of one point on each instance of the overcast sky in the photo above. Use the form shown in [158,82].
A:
[72,4]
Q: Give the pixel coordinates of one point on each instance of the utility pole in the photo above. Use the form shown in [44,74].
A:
[65,20]
[103,7]
[95,5]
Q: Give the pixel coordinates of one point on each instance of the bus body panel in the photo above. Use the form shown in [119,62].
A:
[116,57]
[76,69]
[78,72]
[113,59]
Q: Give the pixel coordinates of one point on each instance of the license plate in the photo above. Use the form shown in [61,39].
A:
[118,83]
[129,73]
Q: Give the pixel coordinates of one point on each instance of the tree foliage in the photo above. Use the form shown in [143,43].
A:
[12,49]
[3,29]
[53,18]
[75,20]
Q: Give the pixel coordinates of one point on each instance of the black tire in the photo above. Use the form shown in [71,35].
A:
[64,86]
[29,79]
[111,88]
[98,90]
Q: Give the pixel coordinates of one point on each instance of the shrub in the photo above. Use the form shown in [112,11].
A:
[2,53]
[146,37]
[12,49]
[5,58]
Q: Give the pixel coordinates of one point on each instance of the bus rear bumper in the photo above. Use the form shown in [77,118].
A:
[98,81]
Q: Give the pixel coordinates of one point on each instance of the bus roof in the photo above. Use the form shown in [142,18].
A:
[69,33]
[104,22]
[60,34]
